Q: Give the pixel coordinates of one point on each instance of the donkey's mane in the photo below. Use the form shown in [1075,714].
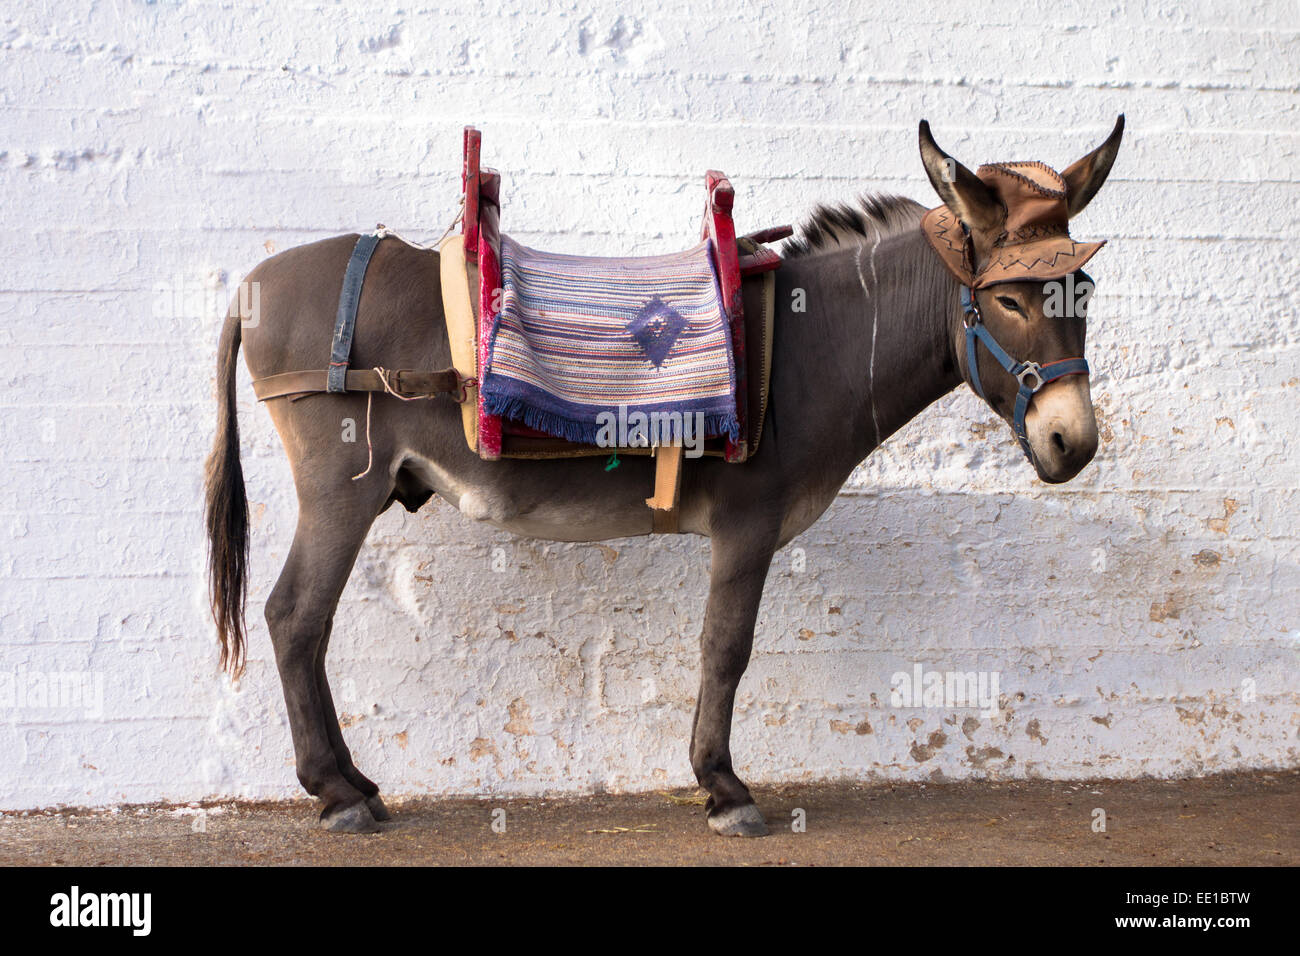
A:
[875,216]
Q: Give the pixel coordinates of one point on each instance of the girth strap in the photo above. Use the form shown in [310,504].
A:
[346,321]
[1030,375]
[402,382]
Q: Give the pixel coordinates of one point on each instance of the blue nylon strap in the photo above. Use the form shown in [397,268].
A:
[346,321]
[972,362]
[1074,366]
[981,332]
[1018,421]
[972,312]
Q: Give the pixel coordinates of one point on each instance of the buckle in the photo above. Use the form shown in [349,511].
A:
[395,383]
[1028,369]
[390,379]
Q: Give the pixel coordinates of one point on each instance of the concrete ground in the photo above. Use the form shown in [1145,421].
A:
[1234,819]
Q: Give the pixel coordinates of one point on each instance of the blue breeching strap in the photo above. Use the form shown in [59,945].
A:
[346,321]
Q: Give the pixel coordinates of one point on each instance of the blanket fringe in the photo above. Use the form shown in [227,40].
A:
[715,424]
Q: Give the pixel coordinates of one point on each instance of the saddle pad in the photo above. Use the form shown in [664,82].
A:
[581,341]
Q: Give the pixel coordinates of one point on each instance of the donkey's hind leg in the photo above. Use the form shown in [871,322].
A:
[300,611]
[369,789]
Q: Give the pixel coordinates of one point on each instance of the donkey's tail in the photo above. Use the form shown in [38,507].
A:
[227,511]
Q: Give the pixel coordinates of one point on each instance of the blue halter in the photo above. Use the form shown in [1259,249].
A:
[1030,375]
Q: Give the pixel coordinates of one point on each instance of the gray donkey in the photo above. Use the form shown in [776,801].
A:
[897,313]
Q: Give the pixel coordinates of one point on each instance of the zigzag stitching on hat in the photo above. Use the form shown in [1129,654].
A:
[1030,233]
[946,233]
[1007,170]
[1005,263]
[943,231]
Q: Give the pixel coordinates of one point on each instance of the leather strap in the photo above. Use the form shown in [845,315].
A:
[346,321]
[338,378]
[405,382]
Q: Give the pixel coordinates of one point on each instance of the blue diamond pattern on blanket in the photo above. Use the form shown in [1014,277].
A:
[656,328]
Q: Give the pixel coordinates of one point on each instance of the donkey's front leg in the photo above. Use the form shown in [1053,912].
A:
[740,563]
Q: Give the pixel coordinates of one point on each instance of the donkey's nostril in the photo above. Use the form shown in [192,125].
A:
[1058,442]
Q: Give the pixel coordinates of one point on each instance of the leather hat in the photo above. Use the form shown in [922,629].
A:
[1035,243]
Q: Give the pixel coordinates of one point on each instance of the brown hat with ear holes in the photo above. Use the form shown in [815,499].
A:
[1035,243]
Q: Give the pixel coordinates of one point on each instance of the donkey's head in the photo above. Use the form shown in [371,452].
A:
[1002,231]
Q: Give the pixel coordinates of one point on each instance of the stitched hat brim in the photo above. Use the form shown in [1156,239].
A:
[1052,258]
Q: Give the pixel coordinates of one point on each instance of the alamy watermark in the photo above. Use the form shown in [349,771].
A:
[22,690]
[133,911]
[1067,299]
[638,429]
[186,297]
[948,690]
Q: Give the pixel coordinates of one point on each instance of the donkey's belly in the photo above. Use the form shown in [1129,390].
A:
[554,510]
[556,520]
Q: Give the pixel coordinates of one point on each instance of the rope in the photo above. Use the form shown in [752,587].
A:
[370,450]
[383,232]
[383,374]
[460,214]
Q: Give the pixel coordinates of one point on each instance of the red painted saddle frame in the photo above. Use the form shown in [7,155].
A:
[481,228]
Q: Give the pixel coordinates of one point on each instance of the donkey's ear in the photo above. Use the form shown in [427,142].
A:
[961,190]
[1084,178]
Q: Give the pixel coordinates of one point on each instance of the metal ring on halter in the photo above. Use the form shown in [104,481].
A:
[1034,369]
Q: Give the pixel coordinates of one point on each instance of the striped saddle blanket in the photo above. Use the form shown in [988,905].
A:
[581,343]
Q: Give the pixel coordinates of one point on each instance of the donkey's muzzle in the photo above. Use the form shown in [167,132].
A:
[1062,429]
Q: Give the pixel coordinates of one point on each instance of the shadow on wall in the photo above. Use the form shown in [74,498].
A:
[469,661]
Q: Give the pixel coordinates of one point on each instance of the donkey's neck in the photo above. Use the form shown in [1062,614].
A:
[877,337]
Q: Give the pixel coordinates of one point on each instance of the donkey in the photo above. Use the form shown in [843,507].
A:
[882,335]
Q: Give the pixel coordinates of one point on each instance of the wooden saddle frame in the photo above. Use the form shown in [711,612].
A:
[744,268]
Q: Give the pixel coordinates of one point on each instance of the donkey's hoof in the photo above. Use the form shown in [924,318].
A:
[377,809]
[741,821]
[354,818]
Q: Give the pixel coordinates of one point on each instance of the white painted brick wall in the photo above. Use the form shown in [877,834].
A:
[145,144]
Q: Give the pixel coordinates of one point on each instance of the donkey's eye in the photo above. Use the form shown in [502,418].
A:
[1010,304]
